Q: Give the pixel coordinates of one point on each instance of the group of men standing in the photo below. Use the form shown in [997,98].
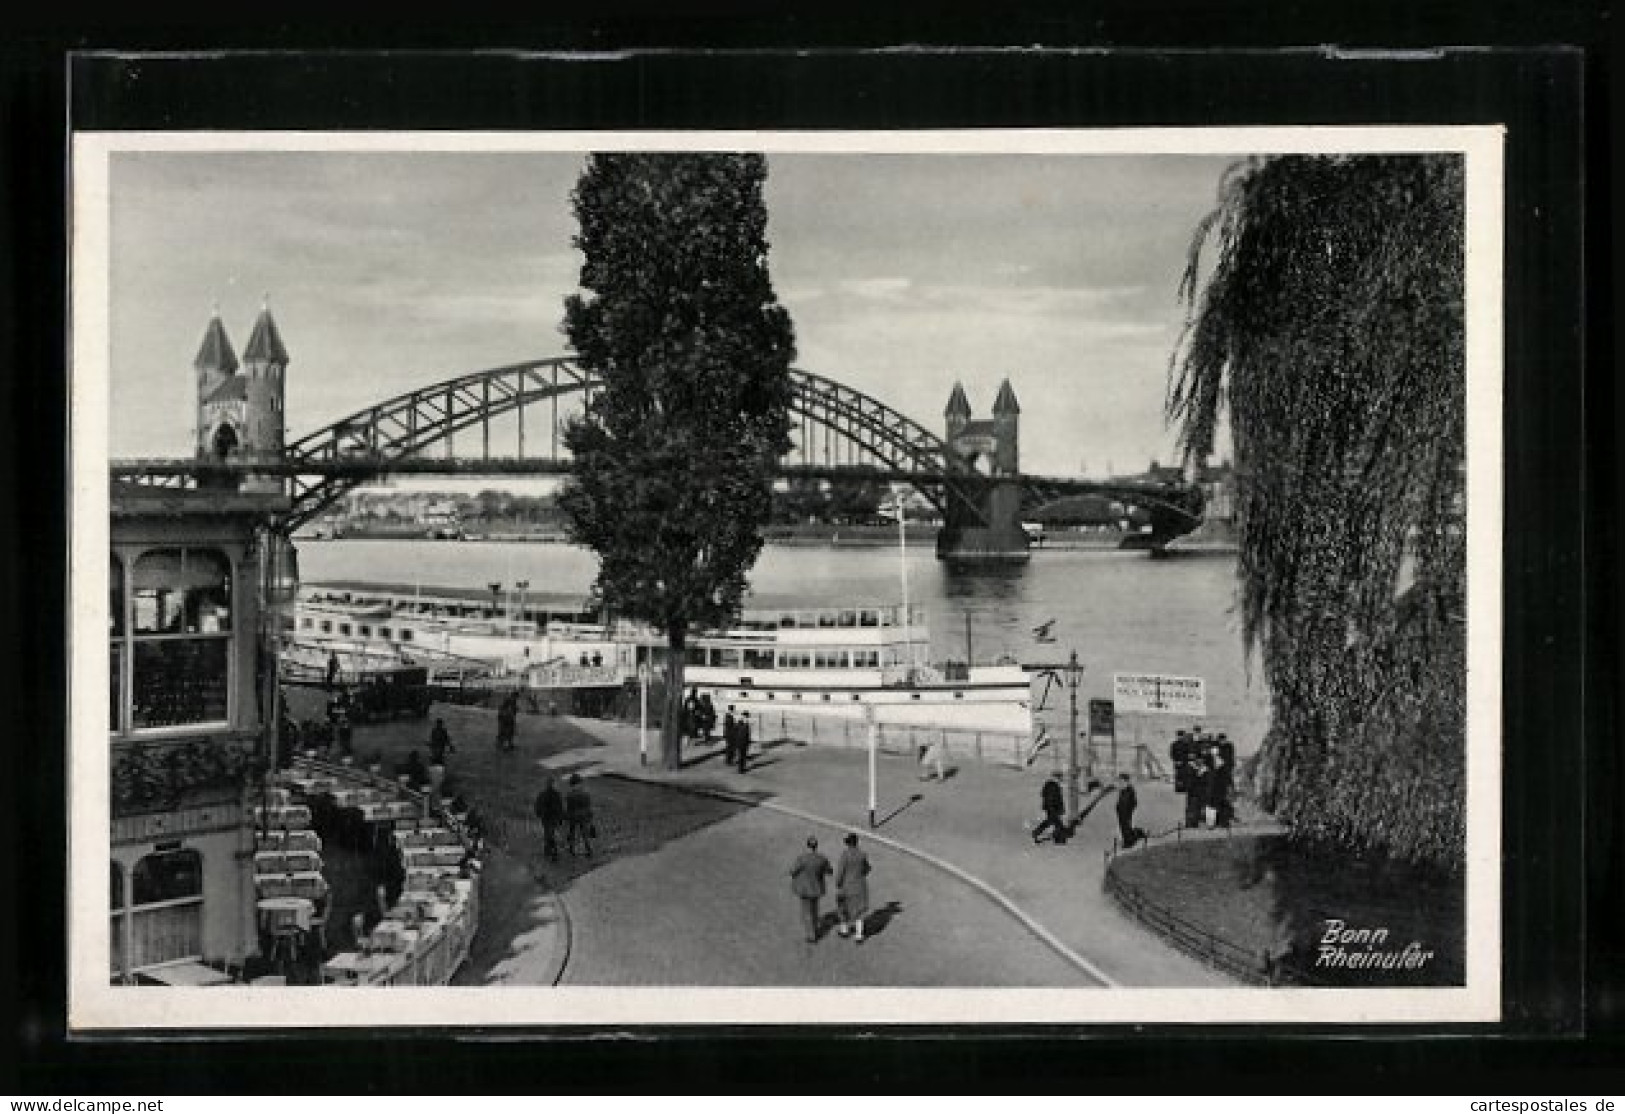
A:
[700,717]
[1205,773]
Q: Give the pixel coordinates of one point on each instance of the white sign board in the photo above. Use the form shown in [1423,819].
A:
[1153,692]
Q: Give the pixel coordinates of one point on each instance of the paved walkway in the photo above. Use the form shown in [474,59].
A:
[975,823]
[675,894]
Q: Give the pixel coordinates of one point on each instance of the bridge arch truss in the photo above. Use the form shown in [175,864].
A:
[832,426]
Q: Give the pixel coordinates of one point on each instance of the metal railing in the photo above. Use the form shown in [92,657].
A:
[1260,968]
[1007,748]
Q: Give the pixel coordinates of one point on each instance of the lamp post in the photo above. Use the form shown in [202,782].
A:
[643,714]
[1073,679]
[874,749]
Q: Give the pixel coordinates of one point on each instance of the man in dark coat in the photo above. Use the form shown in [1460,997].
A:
[550,811]
[577,817]
[1196,791]
[807,876]
[440,743]
[1220,780]
[1179,756]
[742,744]
[1127,801]
[507,721]
[1054,806]
[708,717]
[730,736]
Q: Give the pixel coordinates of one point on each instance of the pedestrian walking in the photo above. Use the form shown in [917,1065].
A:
[932,761]
[708,717]
[345,733]
[852,888]
[440,743]
[1220,779]
[1127,801]
[550,811]
[691,715]
[578,819]
[730,736]
[507,721]
[742,749]
[332,671]
[807,876]
[1054,806]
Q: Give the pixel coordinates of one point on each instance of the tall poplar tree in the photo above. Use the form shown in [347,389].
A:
[675,454]
[1330,324]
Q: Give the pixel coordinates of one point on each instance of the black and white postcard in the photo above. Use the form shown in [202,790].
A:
[887,577]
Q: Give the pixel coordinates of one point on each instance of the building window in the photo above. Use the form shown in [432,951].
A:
[115,631]
[115,926]
[180,639]
[166,909]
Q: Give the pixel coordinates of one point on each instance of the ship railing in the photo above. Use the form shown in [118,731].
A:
[902,676]
[970,744]
[574,676]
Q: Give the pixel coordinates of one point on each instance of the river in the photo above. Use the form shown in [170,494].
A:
[1121,611]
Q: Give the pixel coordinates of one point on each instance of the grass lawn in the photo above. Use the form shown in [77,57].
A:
[1264,897]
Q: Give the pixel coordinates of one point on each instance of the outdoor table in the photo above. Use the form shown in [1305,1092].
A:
[286,862]
[279,913]
[187,974]
[356,969]
[278,840]
[419,878]
[284,816]
[309,883]
[393,935]
[270,862]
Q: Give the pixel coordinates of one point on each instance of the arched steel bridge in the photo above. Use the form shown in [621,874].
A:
[838,431]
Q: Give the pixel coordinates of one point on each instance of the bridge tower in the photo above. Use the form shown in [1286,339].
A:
[983,519]
[240,413]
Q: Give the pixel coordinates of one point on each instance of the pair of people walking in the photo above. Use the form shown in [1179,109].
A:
[572,811]
[807,876]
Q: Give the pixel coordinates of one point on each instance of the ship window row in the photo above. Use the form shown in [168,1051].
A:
[746,657]
[827,619]
[326,627]
[169,638]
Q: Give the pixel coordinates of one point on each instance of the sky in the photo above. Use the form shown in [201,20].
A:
[903,274]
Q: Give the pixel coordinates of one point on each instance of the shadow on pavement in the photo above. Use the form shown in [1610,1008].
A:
[900,809]
[875,923]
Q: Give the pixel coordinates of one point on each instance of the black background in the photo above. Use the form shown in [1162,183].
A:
[1547,75]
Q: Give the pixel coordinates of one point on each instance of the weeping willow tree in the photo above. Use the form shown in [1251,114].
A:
[1326,320]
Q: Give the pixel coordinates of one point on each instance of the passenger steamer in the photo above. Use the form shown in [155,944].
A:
[848,662]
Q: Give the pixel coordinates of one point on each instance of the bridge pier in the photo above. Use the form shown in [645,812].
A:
[984,527]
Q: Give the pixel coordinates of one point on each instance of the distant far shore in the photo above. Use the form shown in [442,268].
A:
[872,537]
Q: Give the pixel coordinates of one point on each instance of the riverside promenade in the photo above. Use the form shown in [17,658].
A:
[689,885]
